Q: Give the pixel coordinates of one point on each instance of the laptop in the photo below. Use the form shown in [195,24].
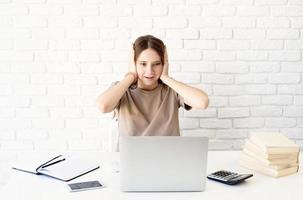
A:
[163,163]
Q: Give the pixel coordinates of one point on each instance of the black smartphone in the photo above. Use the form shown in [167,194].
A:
[81,186]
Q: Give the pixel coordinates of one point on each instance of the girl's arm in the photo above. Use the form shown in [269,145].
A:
[108,100]
[193,97]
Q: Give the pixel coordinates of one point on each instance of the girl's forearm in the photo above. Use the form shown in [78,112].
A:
[193,97]
[110,98]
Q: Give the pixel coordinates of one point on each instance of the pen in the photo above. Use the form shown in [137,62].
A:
[53,163]
[45,164]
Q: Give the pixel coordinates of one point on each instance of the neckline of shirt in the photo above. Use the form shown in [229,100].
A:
[149,91]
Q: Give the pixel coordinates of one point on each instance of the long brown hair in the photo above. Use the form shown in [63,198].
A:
[148,41]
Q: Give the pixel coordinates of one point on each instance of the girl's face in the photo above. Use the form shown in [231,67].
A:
[149,69]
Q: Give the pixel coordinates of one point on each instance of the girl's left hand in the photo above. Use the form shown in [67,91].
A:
[165,65]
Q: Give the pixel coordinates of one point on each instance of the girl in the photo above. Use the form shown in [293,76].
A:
[146,101]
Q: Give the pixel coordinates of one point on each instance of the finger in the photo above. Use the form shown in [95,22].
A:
[132,52]
[131,56]
[165,55]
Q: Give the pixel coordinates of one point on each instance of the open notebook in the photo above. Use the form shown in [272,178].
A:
[61,167]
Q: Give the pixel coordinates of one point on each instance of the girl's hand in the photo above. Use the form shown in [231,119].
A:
[131,64]
[165,65]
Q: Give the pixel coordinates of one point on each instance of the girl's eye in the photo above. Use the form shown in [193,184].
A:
[143,64]
[156,64]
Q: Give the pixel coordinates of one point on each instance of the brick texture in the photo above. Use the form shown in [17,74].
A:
[57,56]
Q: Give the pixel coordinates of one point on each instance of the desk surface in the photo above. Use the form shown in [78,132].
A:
[33,187]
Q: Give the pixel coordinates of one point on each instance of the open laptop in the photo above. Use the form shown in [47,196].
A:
[163,163]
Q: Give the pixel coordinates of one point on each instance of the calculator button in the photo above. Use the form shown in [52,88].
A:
[228,177]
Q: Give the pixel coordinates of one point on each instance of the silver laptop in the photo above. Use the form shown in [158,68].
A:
[163,163]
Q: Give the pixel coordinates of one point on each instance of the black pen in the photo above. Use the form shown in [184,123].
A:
[47,163]
[52,163]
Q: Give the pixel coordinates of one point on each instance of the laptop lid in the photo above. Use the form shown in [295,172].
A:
[163,163]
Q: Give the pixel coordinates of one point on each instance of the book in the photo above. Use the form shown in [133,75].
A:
[280,161]
[64,168]
[270,153]
[254,165]
[273,143]
[272,156]
[248,158]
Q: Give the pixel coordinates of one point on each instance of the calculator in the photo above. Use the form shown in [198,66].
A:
[228,177]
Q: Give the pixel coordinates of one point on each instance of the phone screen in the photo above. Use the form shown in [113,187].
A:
[84,185]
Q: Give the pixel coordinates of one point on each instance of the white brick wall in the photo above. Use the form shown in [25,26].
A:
[56,56]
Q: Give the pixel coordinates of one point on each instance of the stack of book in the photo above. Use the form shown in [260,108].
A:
[272,154]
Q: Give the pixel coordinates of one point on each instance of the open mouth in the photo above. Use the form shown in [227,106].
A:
[149,77]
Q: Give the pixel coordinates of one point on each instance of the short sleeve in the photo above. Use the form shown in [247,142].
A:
[181,103]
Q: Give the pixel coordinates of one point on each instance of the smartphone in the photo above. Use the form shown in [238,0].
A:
[82,186]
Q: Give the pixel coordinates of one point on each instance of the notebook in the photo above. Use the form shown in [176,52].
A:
[64,168]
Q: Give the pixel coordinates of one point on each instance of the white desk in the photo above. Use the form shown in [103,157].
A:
[32,187]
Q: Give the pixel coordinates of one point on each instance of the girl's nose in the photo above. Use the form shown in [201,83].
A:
[149,68]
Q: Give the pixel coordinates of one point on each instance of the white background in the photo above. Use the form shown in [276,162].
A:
[57,56]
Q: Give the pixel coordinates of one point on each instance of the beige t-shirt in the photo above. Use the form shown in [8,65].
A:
[150,113]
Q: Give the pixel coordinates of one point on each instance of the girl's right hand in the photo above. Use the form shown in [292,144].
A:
[131,64]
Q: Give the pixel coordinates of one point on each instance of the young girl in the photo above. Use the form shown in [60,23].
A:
[147,99]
